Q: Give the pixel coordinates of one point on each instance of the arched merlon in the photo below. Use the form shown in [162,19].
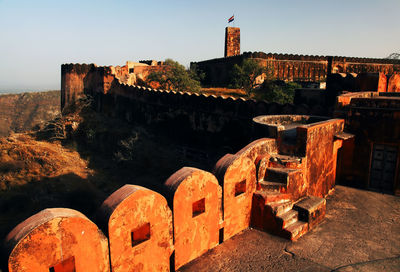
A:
[195,198]
[259,147]
[57,238]
[139,229]
[237,176]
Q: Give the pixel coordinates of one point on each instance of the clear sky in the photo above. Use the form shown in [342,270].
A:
[37,36]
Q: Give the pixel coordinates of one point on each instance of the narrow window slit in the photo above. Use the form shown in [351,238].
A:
[140,235]
[67,265]
[240,188]
[199,207]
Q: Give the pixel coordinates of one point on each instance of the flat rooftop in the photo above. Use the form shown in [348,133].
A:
[361,232]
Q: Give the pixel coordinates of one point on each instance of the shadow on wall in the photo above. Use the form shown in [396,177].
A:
[197,117]
[142,233]
[158,229]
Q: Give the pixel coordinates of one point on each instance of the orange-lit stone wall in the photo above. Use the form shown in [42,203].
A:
[232,41]
[394,83]
[195,196]
[290,67]
[237,176]
[142,232]
[57,240]
[320,152]
[80,79]
[139,229]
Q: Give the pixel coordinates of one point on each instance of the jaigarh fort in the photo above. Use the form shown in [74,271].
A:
[285,160]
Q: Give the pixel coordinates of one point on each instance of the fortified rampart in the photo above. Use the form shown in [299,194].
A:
[202,117]
[78,79]
[288,67]
[193,212]
[275,184]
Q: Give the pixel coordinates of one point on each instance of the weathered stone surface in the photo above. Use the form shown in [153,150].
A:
[258,148]
[232,41]
[237,176]
[296,67]
[55,240]
[375,122]
[311,210]
[139,229]
[394,83]
[194,196]
[262,163]
[375,82]
[321,155]
[303,158]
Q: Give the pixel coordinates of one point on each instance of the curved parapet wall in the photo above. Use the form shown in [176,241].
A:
[142,231]
[139,229]
[57,240]
[195,197]
[237,176]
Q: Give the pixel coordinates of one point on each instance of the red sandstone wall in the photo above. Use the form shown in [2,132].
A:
[237,176]
[80,79]
[394,83]
[58,239]
[320,151]
[373,120]
[232,41]
[195,203]
[296,67]
[139,222]
[139,229]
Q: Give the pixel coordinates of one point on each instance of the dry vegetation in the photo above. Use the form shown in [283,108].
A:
[77,160]
[224,92]
[21,112]
[24,160]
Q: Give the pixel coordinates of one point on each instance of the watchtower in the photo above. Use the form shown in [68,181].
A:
[232,41]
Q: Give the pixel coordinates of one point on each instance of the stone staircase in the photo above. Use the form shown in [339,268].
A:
[273,208]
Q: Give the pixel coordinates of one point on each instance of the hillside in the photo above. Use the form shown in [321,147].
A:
[21,112]
[77,160]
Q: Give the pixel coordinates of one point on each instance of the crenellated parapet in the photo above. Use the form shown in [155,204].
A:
[193,211]
[293,67]
[200,116]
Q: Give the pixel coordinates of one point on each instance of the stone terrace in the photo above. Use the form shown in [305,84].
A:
[360,233]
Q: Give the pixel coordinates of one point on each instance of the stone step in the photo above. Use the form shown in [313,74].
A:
[273,196]
[311,210]
[278,175]
[285,161]
[295,230]
[288,218]
[279,208]
[272,186]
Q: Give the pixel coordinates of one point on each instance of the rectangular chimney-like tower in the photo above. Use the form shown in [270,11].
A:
[232,41]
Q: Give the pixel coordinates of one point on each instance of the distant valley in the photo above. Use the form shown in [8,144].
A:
[21,112]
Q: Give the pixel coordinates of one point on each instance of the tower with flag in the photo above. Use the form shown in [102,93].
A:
[232,39]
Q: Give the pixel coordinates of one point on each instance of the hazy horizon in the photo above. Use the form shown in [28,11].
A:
[39,36]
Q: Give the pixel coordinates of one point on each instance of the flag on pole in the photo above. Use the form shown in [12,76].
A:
[230,20]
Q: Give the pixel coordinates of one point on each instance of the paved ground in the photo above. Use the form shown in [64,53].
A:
[361,232]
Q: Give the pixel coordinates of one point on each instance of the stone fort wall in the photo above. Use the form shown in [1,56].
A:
[203,117]
[138,229]
[288,67]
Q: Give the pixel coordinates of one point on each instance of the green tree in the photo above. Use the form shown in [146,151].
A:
[273,92]
[175,78]
[245,76]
